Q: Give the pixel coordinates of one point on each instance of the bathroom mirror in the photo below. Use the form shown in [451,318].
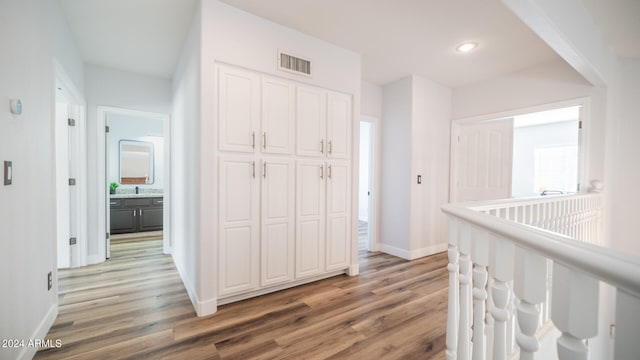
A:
[136,162]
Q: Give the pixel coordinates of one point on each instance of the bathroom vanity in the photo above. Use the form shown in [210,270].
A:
[132,213]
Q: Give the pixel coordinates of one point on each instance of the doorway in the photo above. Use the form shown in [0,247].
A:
[529,153]
[366,186]
[136,168]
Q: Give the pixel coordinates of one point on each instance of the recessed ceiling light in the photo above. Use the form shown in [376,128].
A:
[466,47]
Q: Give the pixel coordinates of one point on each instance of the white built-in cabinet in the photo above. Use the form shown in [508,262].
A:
[284,182]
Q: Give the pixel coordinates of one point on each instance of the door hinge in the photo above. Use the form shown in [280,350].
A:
[72,181]
[458,138]
[107,236]
[72,241]
[71,122]
[578,187]
[106,129]
[580,124]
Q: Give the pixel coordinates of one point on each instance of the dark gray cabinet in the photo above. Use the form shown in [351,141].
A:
[129,215]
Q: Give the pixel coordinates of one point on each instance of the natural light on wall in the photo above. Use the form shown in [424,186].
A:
[545,152]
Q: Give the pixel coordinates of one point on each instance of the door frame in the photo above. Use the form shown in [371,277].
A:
[103,190]
[373,243]
[77,111]
[583,137]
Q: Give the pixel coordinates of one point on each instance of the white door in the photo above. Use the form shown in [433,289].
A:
[310,217]
[278,116]
[484,155]
[239,109]
[239,219]
[63,190]
[338,220]
[338,125]
[278,191]
[311,116]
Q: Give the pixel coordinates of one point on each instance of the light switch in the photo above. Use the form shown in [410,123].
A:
[8,172]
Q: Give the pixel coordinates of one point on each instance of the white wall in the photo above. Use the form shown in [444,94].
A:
[371,100]
[430,138]
[395,187]
[126,127]
[545,84]
[32,32]
[120,89]
[623,166]
[525,141]
[185,157]
[416,120]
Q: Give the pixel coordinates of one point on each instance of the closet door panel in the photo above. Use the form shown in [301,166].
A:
[339,125]
[239,220]
[278,191]
[311,116]
[238,109]
[338,242]
[278,116]
[310,217]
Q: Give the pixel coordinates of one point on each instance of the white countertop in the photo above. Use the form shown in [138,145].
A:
[130,196]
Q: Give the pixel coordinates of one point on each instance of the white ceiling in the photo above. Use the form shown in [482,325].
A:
[395,38]
[141,36]
[620,22]
[400,37]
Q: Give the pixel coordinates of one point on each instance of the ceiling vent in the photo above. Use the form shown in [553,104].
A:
[294,64]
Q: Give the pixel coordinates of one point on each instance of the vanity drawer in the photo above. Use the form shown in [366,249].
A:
[137,202]
[115,203]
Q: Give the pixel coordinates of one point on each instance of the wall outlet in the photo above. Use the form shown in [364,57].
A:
[49,281]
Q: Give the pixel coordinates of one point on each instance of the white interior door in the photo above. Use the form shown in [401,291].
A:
[483,161]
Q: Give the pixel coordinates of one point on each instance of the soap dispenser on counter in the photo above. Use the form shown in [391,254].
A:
[137,190]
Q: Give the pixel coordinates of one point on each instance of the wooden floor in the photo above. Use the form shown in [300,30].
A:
[134,306]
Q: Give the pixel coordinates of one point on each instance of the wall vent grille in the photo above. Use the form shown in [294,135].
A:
[293,64]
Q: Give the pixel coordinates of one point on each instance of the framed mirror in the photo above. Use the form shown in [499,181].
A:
[136,162]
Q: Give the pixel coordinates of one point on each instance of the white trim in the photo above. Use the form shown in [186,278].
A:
[286,285]
[28,352]
[413,254]
[103,191]
[584,102]
[353,270]
[202,308]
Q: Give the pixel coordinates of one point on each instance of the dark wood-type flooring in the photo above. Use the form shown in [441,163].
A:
[134,306]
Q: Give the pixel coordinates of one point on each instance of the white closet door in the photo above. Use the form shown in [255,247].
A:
[310,217]
[338,125]
[278,116]
[239,224]
[278,237]
[311,116]
[239,109]
[338,215]
[483,162]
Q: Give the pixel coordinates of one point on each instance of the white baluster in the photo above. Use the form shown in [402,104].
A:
[464,339]
[574,311]
[501,272]
[453,308]
[481,260]
[530,280]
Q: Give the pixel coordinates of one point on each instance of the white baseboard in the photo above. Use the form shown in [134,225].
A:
[28,352]
[202,308]
[413,254]
[353,270]
[94,259]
